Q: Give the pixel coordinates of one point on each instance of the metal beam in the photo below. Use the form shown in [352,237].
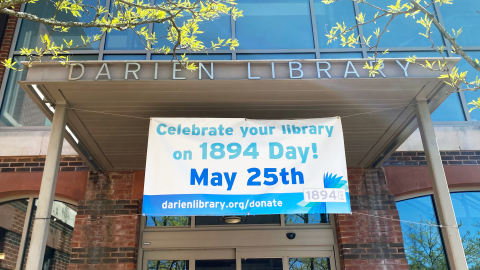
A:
[441,193]
[47,190]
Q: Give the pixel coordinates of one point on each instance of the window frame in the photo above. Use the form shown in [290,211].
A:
[29,218]
[435,210]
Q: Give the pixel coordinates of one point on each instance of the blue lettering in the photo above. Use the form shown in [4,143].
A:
[294,176]
[203,177]
[216,179]
[158,129]
[244,131]
[291,152]
[329,130]
[230,180]
[272,146]
[195,130]
[303,155]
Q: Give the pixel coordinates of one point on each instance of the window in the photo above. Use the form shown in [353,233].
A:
[274,24]
[340,55]
[58,249]
[124,57]
[30,32]
[467,211]
[471,76]
[458,16]
[215,265]
[306,218]
[274,56]
[168,265]
[18,109]
[12,220]
[309,264]
[404,32]
[327,16]
[124,40]
[242,220]
[262,264]
[451,109]
[165,221]
[194,57]
[212,30]
[423,244]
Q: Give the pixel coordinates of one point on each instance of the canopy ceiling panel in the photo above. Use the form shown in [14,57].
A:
[111,117]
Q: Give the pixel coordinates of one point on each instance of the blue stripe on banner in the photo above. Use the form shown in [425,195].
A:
[221,205]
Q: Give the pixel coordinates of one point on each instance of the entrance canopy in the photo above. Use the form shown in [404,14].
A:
[111,101]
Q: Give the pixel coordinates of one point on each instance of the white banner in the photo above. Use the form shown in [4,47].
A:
[234,166]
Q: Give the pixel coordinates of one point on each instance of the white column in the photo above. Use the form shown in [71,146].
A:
[47,190]
[441,193]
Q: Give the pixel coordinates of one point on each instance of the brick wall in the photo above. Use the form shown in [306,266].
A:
[366,242]
[10,237]
[7,41]
[9,244]
[36,164]
[417,158]
[107,225]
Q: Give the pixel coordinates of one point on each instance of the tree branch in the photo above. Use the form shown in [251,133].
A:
[458,49]
[11,3]
[118,26]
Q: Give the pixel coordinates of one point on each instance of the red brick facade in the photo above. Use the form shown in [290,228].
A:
[107,225]
[10,237]
[7,41]
[368,240]
[36,163]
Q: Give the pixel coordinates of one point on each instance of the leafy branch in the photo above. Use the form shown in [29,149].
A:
[181,18]
[453,77]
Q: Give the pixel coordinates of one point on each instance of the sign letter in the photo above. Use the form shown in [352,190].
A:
[273,70]
[104,65]
[380,70]
[201,66]
[299,69]
[404,67]
[319,70]
[175,72]
[250,73]
[81,74]
[349,64]
[127,70]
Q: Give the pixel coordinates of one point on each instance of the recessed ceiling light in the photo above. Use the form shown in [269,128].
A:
[50,107]
[39,93]
[232,219]
[71,134]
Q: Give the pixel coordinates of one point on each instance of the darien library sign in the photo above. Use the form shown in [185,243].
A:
[239,70]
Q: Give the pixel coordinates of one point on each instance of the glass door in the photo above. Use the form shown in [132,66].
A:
[205,259]
[287,258]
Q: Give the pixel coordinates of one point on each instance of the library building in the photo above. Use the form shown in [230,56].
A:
[109,163]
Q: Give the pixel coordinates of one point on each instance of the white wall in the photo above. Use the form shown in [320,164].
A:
[448,138]
[28,143]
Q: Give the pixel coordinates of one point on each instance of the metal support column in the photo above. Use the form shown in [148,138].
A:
[47,190]
[441,193]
